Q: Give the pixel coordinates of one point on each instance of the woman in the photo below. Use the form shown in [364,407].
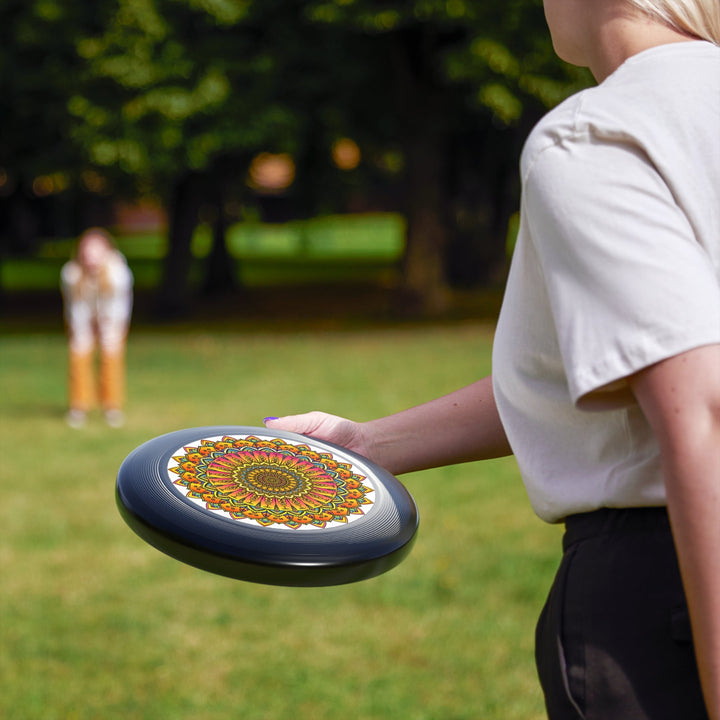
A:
[606,365]
[97,293]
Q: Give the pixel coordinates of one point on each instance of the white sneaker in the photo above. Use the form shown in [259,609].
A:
[75,418]
[115,418]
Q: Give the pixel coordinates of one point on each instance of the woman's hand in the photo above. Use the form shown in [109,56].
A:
[323,426]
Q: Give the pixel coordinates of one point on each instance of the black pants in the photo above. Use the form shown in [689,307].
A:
[613,641]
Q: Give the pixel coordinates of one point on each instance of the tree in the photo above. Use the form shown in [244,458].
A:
[38,69]
[182,95]
[175,98]
[461,72]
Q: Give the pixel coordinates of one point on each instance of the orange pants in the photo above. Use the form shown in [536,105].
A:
[84,392]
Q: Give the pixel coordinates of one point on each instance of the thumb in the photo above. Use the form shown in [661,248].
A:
[303,424]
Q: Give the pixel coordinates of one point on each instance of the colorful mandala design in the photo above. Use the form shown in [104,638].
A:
[271,482]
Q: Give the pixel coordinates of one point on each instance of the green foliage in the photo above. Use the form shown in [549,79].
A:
[154,87]
[38,69]
[96,624]
[189,82]
[499,53]
[174,98]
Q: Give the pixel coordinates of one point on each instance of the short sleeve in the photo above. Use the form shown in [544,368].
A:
[70,275]
[628,282]
[115,300]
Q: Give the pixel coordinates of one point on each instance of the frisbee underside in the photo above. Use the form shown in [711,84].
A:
[266,506]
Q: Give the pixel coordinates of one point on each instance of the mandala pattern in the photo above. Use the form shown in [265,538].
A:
[271,482]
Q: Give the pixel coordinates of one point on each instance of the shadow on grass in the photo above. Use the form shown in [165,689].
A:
[340,306]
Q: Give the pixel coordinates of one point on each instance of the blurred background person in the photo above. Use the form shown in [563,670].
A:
[97,295]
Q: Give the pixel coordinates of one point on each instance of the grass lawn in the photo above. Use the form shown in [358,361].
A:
[96,624]
[340,248]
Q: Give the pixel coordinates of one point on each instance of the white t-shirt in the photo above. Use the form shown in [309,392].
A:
[617,266]
[97,308]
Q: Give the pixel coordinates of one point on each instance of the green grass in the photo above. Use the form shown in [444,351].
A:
[342,248]
[32,274]
[96,624]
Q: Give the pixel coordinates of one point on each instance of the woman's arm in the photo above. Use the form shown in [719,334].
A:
[681,400]
[459,427]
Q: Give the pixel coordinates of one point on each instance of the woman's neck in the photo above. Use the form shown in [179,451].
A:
[620,37]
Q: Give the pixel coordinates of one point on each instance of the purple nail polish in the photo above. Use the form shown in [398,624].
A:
[269,418]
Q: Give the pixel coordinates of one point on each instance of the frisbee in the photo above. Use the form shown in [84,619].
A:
[266,506]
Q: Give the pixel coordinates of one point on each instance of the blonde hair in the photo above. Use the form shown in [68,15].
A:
[699,18]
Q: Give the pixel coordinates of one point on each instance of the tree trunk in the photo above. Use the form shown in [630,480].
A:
[175,294]
[220,267]
[485,194]
[424,276]
[424,143]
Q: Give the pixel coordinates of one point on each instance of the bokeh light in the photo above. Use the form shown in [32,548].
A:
[346,154]
[271,173]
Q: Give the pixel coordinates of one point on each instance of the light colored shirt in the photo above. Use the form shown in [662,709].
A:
[97,308]
[617,267]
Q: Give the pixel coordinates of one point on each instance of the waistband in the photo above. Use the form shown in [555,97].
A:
[608,521]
